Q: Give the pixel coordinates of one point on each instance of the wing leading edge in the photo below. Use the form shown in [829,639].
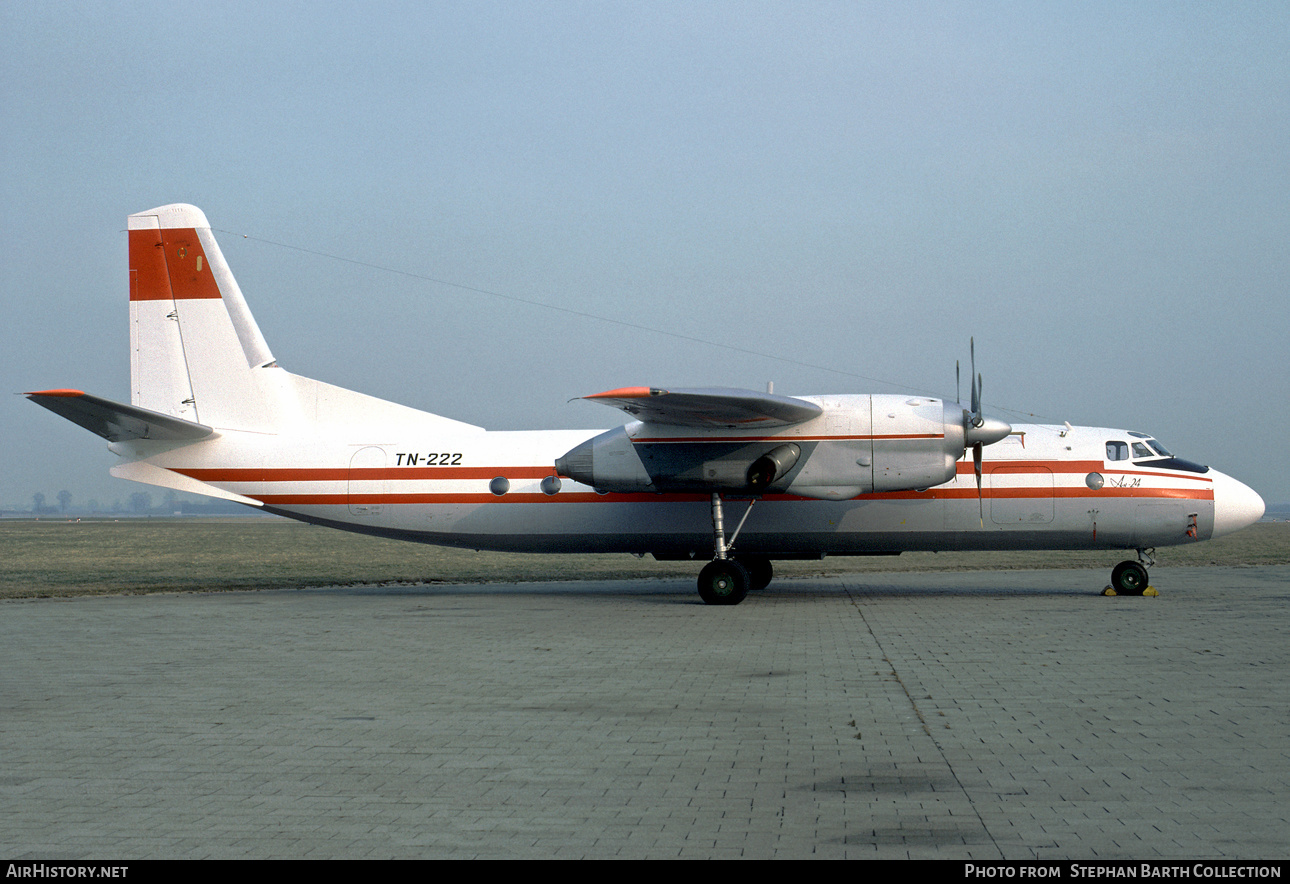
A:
[714,407]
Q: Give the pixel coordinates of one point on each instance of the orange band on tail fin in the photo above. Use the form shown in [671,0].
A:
[169,263]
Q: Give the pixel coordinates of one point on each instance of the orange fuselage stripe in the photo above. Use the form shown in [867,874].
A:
[341,474]
[341,499]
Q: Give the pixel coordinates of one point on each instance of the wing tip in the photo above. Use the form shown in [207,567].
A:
[62,394]
[627,393]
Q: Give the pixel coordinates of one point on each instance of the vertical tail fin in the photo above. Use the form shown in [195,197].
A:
[196,352]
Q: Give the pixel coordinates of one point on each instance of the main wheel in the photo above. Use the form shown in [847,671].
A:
[1129,578]
[723,582]
[760,570]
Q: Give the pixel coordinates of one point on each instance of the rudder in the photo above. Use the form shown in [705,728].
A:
[196,352]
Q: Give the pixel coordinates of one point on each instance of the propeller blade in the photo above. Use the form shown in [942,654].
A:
[979,418]
[977,421]
[976,468]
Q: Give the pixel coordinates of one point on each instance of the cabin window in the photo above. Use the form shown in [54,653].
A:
[1140,450]
[1117,451]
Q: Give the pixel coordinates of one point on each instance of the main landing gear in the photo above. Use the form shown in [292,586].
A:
[724,582]
[1130,577]
[726,579]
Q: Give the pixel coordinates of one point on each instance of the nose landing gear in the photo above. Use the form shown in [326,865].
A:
[1130,577]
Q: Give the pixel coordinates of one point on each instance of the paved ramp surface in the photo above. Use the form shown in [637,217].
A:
[958,715]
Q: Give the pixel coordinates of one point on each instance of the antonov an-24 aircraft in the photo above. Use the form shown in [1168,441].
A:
[795,476]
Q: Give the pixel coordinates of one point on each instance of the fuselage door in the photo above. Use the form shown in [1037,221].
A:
[367,482]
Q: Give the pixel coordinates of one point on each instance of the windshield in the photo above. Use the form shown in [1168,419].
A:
[1157,456]
[1150,453]
[1148,447]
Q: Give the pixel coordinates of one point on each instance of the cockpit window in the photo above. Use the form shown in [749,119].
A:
[1150,453]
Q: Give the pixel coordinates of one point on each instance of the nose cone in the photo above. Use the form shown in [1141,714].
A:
[1236,505]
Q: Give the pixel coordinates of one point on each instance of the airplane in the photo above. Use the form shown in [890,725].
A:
[211,412]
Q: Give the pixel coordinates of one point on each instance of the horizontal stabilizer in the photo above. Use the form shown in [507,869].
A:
[142,471]
[115,421]
[709,407]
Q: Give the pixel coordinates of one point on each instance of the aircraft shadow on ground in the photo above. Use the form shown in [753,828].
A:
[681,591]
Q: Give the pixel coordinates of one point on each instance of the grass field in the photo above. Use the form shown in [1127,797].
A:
[60,558]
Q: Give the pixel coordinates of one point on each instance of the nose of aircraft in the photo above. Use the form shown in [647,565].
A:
[1236,504]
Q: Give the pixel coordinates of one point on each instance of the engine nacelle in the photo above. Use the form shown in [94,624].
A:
[882,443]
[608,462]
[858,445]
[618,461]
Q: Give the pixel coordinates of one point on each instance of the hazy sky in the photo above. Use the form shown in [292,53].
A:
[842,193]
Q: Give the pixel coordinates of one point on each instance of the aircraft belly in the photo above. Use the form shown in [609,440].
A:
[783,527]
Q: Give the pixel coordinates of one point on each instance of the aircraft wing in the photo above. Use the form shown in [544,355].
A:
[115,421]
[716,407]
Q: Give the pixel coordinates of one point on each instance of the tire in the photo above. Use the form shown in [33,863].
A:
[760,571]
[1129,578]
[724,582]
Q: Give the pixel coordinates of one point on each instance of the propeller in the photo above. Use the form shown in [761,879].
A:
[978,430]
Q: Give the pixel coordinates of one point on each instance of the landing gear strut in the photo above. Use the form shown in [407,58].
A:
[725,581]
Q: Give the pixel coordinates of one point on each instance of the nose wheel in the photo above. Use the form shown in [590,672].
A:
[1130,577]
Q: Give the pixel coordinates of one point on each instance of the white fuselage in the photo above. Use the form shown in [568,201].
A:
[1043,487]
